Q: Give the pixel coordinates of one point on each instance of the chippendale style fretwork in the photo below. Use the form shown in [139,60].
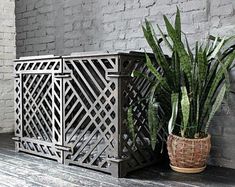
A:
[73,109]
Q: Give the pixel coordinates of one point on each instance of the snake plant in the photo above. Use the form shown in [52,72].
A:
[190,84]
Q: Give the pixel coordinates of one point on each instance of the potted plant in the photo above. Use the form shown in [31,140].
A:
[187,89]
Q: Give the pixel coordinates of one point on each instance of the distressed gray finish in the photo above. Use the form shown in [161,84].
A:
[74,109]
[18,169]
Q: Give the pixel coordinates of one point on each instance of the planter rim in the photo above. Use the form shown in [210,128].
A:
[191,139]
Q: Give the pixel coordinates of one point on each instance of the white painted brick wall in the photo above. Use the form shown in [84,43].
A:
[7,54]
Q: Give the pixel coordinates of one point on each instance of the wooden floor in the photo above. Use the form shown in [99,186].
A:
[23,170]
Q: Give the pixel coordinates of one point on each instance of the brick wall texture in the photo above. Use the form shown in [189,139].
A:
[7,53]
[65,26]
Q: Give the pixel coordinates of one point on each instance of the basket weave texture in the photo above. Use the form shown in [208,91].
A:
[188,153]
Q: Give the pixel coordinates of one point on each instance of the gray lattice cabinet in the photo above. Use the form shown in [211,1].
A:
[73,109]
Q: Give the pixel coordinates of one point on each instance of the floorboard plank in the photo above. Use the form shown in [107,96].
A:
[21,169]
[10,179]
[33,176]
[40,164]
[51,171]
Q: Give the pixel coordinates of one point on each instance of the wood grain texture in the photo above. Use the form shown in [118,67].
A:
[20,169]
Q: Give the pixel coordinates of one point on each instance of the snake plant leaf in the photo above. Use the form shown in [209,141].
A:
[226,74]
[189,83]
[154,45]
[150,28]
[153,123]
[185,107]
[206,48]
[197,109]
[196,52]
[202,67]
[205,90]
[131,124]
[212,46]
[215,42]
[139,74]
[195,87]
[188,47]
[229,39]
[210,76]
[176,71]
[217,49]
[231,67]
[178,23]
[227,50]
[154,71]
[226,79]
[168,44]
[179,46]
[216,83]
[174,113]
[216,105]
[162,59]
[152,40]
[152,92]
[195,70]
[152,114]
[176,74]
[213,38]
[222,71]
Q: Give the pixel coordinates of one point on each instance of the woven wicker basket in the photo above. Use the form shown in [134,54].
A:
[188,155]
